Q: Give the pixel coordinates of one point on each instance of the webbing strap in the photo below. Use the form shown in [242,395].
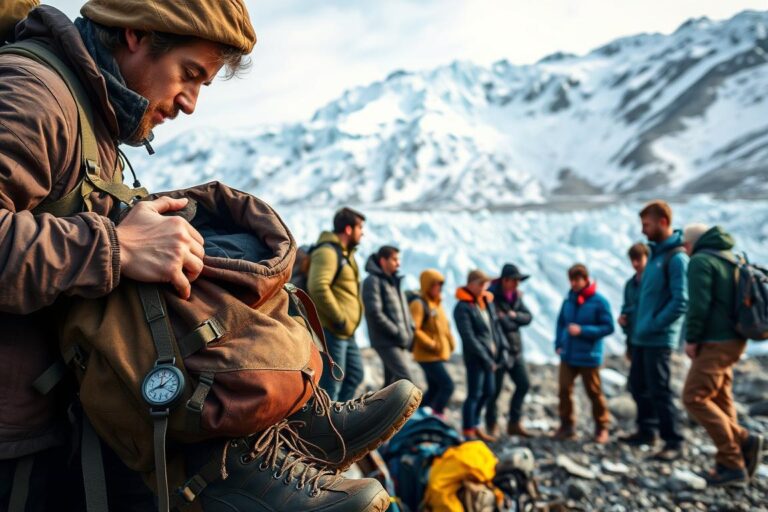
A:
[207,332]
[156,317]
[197,401]
[93,469]
[70,203]
[193,487]
[20,486]
[50,377]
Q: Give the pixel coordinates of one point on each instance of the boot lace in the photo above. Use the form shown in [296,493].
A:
[352,404]
[281,448]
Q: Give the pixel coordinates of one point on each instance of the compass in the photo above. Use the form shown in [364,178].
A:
[163,386]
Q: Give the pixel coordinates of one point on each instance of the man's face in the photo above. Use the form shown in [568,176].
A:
[509,285]
[578,284]
[355,234]
[655,228]
[390,265]
[477,288]
[639,264]
[170,81]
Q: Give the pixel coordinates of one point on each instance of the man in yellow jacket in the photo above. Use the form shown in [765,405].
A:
[334,285]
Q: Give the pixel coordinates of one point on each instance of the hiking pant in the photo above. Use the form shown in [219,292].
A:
[649,384]
[591,379]
[708,397]
[480,383]
[519,375]
[439,386]
[395,360]
[346,354]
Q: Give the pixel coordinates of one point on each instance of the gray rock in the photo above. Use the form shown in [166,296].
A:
[759,409]
[682,479]
[574,469]
[623,407]
[575,490]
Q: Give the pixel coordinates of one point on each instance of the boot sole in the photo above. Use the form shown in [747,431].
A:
[414,400]
[757,458]
[379,503]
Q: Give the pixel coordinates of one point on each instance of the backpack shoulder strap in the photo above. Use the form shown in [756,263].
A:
[668,258]
[729,258]
[340,258]
[91,180]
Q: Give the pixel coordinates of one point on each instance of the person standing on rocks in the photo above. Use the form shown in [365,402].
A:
[714,346]
[512,315]
[475,318]
[333,282]
[638,257]
[433,342]
[390,326]
[585,319]
[659,317]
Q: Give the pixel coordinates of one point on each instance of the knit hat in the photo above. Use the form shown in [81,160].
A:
[693,232]
[219,21]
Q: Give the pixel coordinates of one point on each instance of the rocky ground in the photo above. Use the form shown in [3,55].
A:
[585,476]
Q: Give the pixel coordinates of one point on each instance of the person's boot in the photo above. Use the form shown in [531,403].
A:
[752,451]
[639,439]
[272,472]
[602,436]
[517,429]
[722,476]
[670,453]
[565,433]
[469,434]
[344,432]
[483,436]
[493,430]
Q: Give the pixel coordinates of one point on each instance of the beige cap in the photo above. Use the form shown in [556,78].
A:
[220,21]
[693,232]
[478,275]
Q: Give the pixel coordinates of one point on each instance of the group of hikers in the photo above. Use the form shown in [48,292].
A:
[683,289]
[74,237]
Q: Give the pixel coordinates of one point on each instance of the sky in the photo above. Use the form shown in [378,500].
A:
[309,52]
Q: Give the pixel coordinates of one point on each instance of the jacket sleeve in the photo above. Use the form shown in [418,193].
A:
[627,308]
[678,286]
[603,325]
[472,346]
[560,329]
[374,308]
[524,316]
[322,268]
[420,335]
[43,257]
[700,278]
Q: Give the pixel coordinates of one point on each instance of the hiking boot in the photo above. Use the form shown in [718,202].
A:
[752,451]
[722,476]
[493,431]
[670,453]
[271,473]
[602,436]
[470,434]
[344,432]
[517,429]
[639,439]
[484,437]
[565,433]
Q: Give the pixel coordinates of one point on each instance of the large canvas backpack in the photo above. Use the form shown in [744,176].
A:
[237,357]
[751,314]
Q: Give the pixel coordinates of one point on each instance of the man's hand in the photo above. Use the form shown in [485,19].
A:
[512,314]
[692,350]
[623,320]
[159,249]
[574,330]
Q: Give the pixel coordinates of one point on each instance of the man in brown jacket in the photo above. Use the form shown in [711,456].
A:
[139,64]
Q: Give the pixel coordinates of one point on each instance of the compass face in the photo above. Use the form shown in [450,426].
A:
[162,385]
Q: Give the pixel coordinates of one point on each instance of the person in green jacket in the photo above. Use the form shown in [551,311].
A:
[638,257]
[714,345]
[333,283]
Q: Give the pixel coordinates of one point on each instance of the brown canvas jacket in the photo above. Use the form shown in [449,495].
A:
[43,258]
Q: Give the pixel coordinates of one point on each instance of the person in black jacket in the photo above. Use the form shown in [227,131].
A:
[390,325]
[511,315]
[475,319]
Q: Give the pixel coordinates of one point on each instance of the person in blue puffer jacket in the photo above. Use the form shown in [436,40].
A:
[585,319]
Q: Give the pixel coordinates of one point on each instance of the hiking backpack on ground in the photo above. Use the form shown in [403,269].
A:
[751,314]
[409,454]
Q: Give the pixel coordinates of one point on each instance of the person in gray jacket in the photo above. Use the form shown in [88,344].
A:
[390,325]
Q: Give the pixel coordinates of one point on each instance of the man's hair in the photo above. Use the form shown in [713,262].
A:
[658,209]
[386,252]
[113,38]
[346,217]
[637,251]
[578,270]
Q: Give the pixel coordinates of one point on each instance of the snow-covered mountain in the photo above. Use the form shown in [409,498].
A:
[650,114]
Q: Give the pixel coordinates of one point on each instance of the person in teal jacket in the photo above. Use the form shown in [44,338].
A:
[660,313]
